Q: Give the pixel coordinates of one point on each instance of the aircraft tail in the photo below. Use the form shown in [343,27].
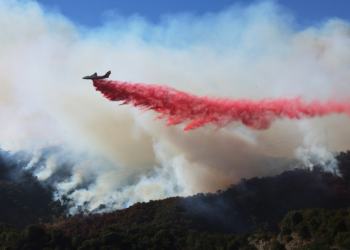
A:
[107,74]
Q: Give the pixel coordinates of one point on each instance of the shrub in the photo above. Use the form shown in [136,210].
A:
[275,245]
[314,246]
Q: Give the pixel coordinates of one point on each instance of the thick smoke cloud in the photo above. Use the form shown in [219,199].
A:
[107,154]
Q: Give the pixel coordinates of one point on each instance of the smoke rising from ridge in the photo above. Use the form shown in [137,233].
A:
[116,156]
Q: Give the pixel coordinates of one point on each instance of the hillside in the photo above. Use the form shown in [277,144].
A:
[251,214]
[257,203]
[24,200]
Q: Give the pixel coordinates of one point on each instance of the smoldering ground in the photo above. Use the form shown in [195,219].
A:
[118,156]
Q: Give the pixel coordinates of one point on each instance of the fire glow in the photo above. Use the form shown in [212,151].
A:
[178,107]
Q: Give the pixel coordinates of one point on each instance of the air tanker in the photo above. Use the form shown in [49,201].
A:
[95,76]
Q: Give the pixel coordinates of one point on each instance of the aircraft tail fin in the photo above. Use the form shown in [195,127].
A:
[107,74]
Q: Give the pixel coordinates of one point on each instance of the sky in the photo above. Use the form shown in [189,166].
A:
[94,13]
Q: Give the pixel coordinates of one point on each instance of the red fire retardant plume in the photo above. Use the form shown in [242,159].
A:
[178,106]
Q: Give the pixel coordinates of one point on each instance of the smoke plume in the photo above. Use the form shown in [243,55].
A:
[179,106]
[95,152]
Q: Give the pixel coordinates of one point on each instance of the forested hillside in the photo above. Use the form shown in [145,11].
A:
[24,200]
[259,213]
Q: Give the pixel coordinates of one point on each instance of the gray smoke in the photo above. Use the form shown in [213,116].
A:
[102,153]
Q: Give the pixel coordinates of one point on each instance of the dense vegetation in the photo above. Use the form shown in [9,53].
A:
[318,226]
[24,200]
[299,209]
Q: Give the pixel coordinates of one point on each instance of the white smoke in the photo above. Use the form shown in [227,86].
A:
[116,155]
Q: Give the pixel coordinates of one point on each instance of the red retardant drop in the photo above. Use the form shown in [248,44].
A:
[178,106]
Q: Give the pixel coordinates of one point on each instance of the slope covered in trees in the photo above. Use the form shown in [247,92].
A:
[255,213]
[24,200]
[257,203]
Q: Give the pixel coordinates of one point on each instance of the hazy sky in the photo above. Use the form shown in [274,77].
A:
[93,13]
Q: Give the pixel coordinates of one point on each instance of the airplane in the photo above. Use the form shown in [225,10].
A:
[95,76]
